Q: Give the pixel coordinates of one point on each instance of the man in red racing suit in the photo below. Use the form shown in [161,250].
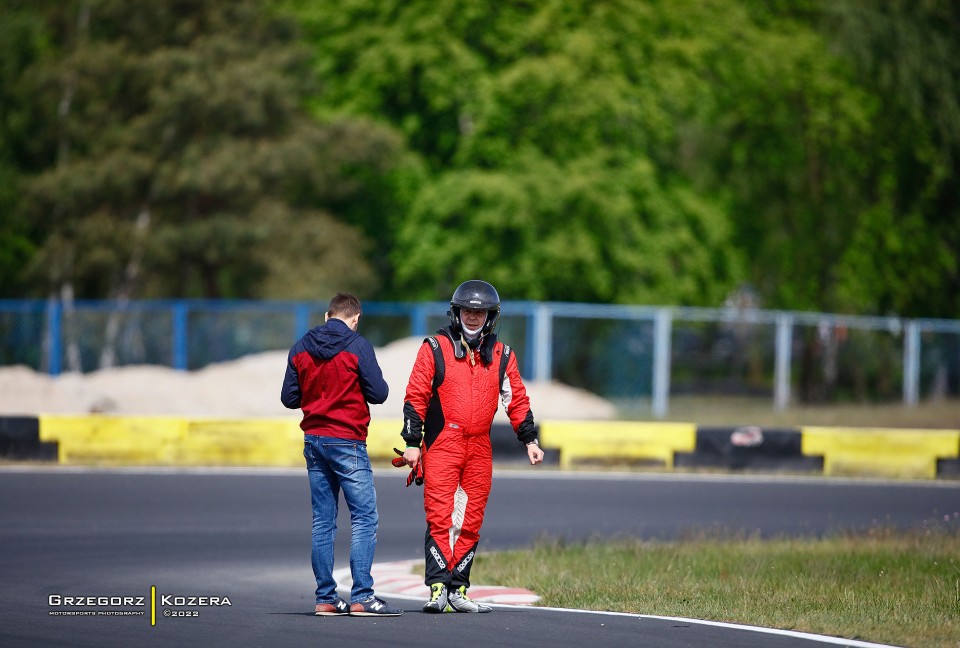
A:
[448,411]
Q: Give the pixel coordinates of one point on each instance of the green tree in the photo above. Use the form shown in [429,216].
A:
[608,150]
[183,162]
[21,44]
[808,147]
[905,251]
[786,137]
[539,125]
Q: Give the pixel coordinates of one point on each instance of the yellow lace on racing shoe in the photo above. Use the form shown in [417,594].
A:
[438,599]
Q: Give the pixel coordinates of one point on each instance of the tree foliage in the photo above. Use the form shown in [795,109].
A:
[180,159]
[659,151]
[21,44]
[784,135]
[665,151]
[905,254]
[540,125]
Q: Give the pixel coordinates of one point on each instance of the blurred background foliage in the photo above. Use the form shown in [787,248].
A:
[609,151]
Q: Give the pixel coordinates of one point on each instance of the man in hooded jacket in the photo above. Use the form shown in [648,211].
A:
[332,374]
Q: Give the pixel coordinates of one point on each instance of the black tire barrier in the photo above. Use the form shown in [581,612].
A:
[20,440]
[749,447]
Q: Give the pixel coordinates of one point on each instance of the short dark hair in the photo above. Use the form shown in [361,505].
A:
[343,305]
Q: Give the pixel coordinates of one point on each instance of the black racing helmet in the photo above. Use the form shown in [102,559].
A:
[475,295]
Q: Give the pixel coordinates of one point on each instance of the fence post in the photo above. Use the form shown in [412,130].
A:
[543,343]
[911,363]
[179,342]
[783,357]
[301,318]
[662,331]
[54,337]
[418,320]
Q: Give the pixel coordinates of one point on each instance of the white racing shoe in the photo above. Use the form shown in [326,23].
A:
[460,602]
[438,599]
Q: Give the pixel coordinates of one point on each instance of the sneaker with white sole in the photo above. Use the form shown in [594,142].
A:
[460,602]
[438,599]
[336,608]
[373,607]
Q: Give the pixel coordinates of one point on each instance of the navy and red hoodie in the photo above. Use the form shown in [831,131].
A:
[332,375]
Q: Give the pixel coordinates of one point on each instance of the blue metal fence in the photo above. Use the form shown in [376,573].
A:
[625,353]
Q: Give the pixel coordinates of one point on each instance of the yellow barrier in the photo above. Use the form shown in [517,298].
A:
[109,440]
[251,442]
[880,451]
[168,440]
[578,440]
[176,441]
[382,437]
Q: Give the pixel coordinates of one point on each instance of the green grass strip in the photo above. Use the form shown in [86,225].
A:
[885,586]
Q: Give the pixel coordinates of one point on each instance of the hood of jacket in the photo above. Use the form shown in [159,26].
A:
[328,340]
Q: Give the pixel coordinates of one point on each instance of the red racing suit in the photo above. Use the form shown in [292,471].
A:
[452,419]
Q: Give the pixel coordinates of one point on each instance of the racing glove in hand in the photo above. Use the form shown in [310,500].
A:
[416,472]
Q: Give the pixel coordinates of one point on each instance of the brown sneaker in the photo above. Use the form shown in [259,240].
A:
[337,608]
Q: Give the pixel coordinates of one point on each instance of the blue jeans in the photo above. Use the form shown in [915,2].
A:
[334,464]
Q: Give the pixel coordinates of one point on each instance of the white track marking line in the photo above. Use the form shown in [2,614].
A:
[392,572]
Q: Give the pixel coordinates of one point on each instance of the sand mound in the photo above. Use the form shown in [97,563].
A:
[247,387]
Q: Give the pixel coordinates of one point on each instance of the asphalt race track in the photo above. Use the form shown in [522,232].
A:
[106,537]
